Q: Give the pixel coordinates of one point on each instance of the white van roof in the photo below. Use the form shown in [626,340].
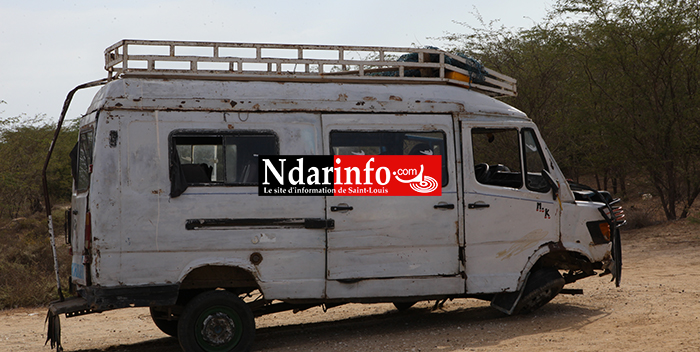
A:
[251,96]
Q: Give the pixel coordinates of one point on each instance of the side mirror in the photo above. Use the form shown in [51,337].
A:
[555,189]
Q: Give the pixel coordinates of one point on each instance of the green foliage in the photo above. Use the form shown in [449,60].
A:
[27,275]
[643,61]
[613,86]
[24,143]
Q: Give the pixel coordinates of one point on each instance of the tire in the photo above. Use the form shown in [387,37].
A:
[216,321]
[402,306]
[159,316]
[541,287]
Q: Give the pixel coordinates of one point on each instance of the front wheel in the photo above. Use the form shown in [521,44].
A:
[542,285]
[216,321]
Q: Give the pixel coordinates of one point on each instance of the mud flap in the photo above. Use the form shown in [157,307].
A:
[617,257]
[71,307]
[507,301]
[53,333]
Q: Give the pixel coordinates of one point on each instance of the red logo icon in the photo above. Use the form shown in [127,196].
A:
[387,175]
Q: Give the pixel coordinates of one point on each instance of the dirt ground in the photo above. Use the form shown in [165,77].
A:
[657,308]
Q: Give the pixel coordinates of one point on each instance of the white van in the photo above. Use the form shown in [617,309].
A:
[166,211]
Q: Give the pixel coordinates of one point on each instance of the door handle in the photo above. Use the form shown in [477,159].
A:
[477,205]
[444,206]
[341,207]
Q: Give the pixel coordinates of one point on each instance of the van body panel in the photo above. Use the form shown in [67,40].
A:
[575,234]
[390,237]
[384,247]
[157,246]
[385,289]
[105,200]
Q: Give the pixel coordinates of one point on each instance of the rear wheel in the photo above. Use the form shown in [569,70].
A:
[216,321]
[402,306]
[542,285]
[160,318]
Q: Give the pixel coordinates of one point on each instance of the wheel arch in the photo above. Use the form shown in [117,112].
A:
[555,255]
[208,275]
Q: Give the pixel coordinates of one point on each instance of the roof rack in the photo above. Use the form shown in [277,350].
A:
[302,63]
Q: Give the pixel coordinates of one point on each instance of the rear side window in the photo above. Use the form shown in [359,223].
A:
[391,143]
[218,159]
[84,162]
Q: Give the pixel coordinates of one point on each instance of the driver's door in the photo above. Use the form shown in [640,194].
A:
[509,208]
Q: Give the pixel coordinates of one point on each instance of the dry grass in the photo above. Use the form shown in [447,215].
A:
[27,275]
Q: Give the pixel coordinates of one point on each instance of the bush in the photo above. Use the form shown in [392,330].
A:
[643,213]
[27,275]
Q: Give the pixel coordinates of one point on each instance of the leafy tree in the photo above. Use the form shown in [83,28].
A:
[550,83]
[24,142]
[613,86]
[642,59]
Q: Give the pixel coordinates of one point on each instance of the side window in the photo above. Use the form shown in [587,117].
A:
[391,143]
[211,159]
[497,157]
[84,167]
[534,163]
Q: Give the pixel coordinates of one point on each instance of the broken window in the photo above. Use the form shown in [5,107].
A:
[84,162]
[391,143]
[497,157]
[534,163]
[211,159]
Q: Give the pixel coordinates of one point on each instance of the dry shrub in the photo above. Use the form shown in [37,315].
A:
[643,212]
[27,275]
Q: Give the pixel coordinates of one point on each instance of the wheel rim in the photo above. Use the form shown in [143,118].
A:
[218,328]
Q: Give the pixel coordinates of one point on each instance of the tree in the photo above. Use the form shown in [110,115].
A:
[613,86]
[24,142]
[643,61]
[551,86]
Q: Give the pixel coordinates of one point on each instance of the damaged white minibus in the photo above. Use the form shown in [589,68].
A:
[168,210]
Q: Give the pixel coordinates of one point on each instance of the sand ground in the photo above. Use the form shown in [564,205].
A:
[657,308]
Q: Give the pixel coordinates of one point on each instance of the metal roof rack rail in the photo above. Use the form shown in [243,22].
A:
[302,63]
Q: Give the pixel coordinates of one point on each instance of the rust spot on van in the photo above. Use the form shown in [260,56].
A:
[256,106]
[342,97]
[369,98]
[395,98]
[230,126]
[556,246]
[256,258]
